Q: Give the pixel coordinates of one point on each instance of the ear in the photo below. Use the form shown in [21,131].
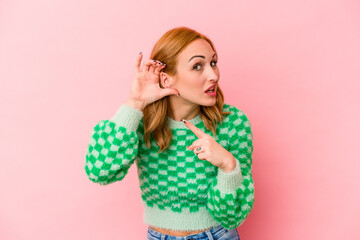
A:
[166,80]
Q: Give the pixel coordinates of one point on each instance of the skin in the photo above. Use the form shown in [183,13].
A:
[192,83]
[211,151]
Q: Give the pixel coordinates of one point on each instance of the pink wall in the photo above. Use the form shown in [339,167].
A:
[292,66]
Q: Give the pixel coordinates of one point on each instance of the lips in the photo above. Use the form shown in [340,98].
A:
[212,86]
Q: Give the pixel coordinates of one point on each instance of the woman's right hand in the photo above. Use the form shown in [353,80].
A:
[145,88]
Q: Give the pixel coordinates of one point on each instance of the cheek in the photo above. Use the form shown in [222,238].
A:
[193,83]
[197,86]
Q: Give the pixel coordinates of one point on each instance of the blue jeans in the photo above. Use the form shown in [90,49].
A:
[215,233]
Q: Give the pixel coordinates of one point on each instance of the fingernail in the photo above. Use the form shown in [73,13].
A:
[184,121]
[140,53]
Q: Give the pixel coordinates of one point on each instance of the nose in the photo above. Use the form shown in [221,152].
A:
[213,75]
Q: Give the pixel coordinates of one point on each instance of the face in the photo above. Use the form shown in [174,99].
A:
[197,71]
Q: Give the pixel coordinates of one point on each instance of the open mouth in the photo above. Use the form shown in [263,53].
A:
[212,89]
[211,92]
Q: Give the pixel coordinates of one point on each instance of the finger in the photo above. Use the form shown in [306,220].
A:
[138,62]
[168,91]
[154,66]
[195,144]
[158,68]
[201,156]
[148,64]
[195,130]
[197,152]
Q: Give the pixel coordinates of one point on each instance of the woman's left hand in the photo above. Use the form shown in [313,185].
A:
[210,149]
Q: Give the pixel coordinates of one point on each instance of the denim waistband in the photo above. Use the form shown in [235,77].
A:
[213,232]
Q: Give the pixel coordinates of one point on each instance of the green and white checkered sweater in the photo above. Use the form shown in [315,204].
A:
[179,191]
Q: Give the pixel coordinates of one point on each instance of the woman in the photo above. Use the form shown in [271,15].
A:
[193,151]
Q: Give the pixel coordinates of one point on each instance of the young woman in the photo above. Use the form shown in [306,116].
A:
[193,151]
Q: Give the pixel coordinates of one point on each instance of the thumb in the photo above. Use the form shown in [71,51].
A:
[169,91]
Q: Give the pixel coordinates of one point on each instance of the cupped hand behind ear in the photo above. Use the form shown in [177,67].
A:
[145,87]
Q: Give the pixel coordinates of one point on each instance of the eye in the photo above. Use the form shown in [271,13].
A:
[196,67]
[214,63]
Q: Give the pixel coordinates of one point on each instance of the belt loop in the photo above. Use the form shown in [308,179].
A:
[210,236]
[163,236]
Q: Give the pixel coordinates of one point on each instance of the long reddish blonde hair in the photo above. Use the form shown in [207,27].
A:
[166,50]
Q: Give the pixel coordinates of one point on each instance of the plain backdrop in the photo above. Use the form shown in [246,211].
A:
[291,66]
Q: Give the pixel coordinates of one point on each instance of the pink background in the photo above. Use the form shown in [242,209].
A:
[291,66]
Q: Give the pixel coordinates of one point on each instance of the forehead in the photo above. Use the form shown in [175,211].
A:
[197,47]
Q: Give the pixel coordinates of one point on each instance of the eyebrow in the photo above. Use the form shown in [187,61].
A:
[200,56]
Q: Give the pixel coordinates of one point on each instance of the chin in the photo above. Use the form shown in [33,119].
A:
[209,103]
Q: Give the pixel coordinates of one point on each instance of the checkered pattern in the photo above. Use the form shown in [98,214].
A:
[231,208]
[176,180]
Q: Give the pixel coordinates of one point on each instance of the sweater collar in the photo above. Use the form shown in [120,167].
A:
[180,124]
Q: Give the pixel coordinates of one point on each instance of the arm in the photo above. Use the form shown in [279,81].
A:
[231,194]
[113,146]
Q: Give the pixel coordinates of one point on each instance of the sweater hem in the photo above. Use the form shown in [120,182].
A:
[183,221]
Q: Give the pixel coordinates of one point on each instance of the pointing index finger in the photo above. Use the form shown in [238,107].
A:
[194,129]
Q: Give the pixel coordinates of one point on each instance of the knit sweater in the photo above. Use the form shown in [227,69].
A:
[179,191]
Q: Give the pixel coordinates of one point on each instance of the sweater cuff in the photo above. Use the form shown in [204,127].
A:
[128,117]
[229,181]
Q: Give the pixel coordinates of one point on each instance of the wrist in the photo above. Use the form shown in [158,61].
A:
[229,164]
[135,103]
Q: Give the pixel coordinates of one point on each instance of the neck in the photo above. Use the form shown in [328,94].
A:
[182,110]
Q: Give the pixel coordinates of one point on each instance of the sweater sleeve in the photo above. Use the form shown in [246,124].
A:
[113,146]
[231,194]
